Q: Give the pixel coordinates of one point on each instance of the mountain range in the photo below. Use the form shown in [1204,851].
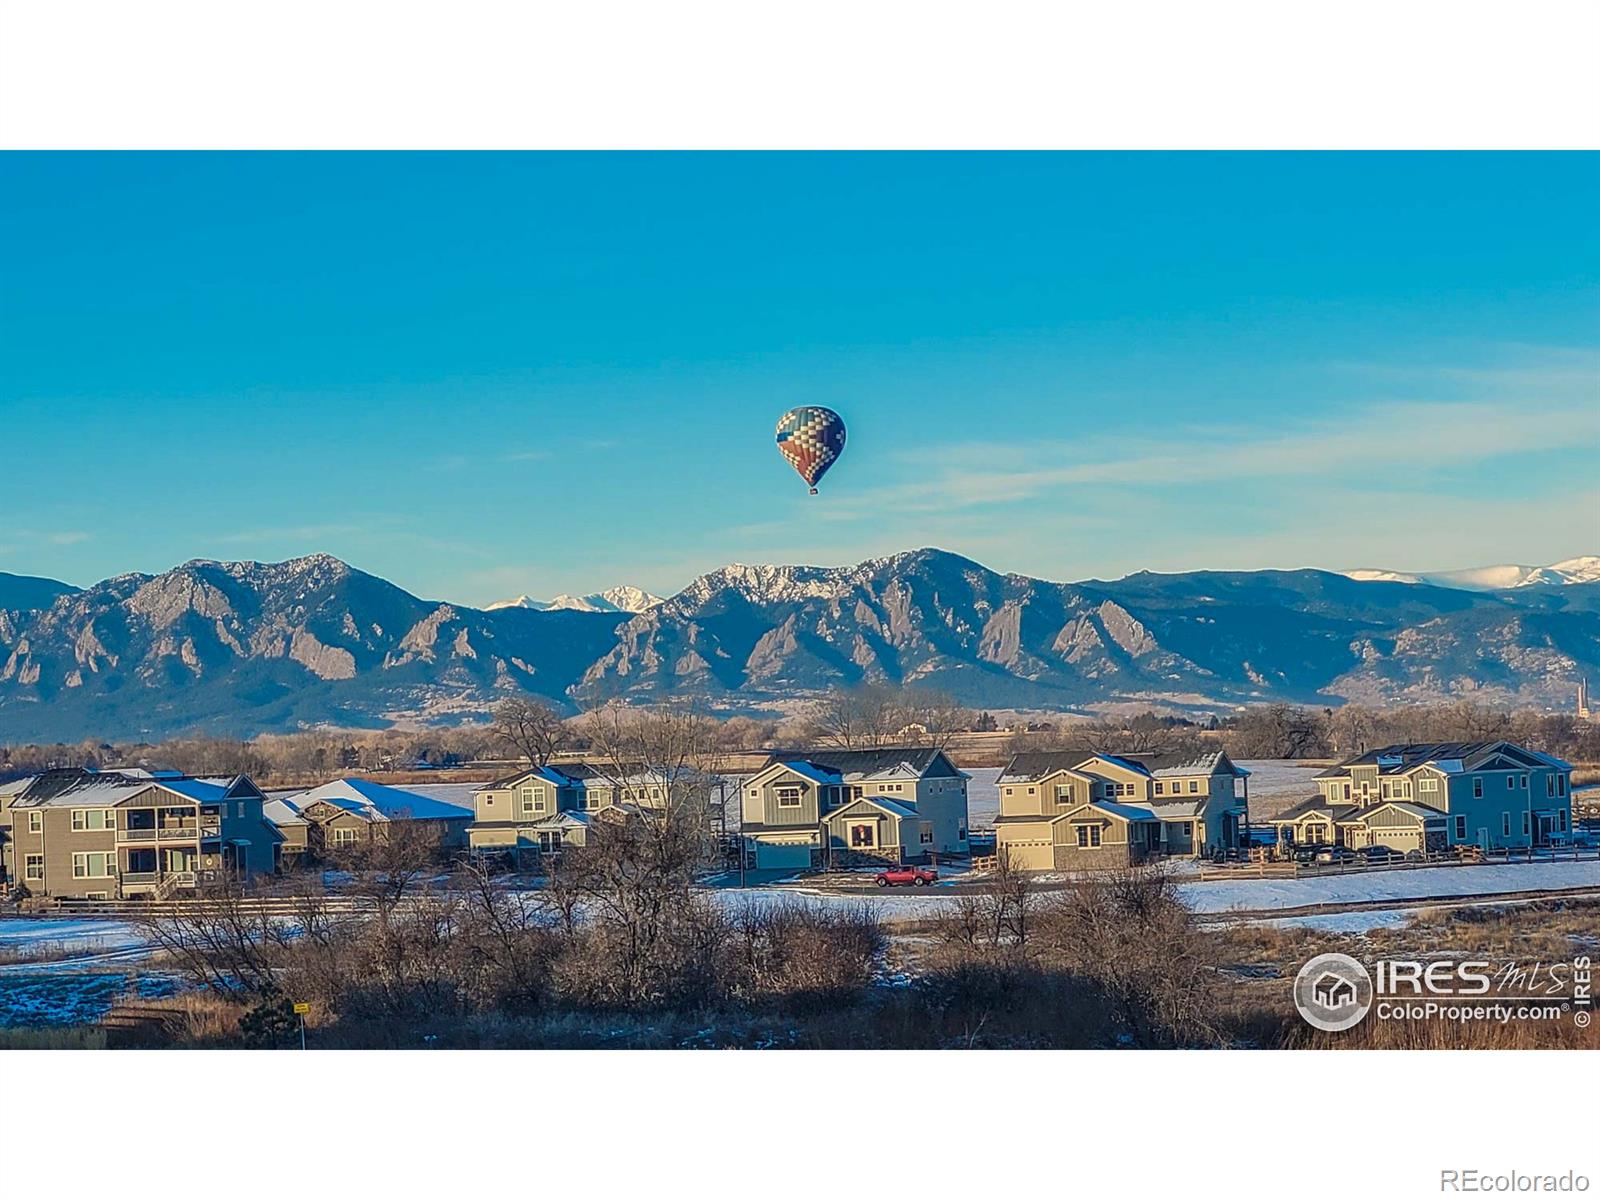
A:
[617,599]
[243,648]
[1584,569]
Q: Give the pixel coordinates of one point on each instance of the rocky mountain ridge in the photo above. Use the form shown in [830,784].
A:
[242,648]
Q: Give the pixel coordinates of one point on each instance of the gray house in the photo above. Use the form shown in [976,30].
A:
[119,834]
[1429,796]
[820,807]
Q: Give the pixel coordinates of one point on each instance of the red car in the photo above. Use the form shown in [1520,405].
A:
[896,876]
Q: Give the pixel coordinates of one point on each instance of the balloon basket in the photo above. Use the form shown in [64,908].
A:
[813,491]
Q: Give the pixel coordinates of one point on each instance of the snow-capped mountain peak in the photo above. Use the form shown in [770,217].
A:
[618,599]
[1583,569]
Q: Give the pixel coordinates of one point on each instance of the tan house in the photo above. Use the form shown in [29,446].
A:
[293,830]
[118,834]
[548,808]
[347,812]
[1067,809]
[834,807]
[1429,796]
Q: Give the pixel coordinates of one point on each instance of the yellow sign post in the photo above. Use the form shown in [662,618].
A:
[301,1008]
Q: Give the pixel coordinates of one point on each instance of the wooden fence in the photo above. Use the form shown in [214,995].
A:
[267,906]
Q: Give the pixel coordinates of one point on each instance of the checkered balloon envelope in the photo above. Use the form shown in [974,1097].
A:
[812,439]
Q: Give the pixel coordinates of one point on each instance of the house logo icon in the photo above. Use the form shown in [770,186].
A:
[1333,992]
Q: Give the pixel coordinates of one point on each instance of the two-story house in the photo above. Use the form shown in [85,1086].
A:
[1067,809]
[818,808]
[1429,796]
[548,808]
[118,834]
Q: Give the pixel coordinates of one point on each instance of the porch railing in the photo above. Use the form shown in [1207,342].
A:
[169,832]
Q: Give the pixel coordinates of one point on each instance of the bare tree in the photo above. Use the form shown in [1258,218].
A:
[532,728]
[873,715]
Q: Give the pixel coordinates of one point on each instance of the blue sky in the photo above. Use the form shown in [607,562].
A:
[479,375]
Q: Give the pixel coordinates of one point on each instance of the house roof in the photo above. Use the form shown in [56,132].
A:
[1450,757]
[83,788]
[1128,812]
[1313,805]
[1420,811]
[281,812]
[376,802]
[896,808]
[916,762]
[1034,765]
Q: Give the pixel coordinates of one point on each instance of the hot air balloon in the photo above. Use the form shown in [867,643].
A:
[811,439]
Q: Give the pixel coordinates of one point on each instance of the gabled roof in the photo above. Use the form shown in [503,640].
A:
[895,808]
[1314,805]
[81,788]
[281,812]
[1128,812]
[852,766]
[376,802]
[1034,765]
[811,771]
[1420,811]
[1450,757]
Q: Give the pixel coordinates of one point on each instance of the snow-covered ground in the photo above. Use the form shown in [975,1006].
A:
[77,936]
[1419,884]
[983,796]
[74,998]
[1276,784]
[1351,922]
[1231,896]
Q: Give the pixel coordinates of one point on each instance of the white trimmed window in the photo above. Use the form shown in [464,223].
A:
[1527,819]
[36,822]
[927,835]
[1194,785]
[33,867]
[96,864]
[93,818]
[1505,824]
[1510,783]
[788,797]
[345,836]
[1561,785]
[1158,786]
[1461,829]
[1477,788]
[1427,784]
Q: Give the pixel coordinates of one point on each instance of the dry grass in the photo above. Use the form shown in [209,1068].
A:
[1262,961]
[76,1037]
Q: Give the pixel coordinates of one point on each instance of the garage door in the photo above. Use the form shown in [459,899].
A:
[1399,839]
[770,857]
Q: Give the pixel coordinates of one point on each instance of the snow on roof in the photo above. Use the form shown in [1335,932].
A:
[815,774]
[281,812]
[1128,812]
[378,802]
[886,762]
[96,789]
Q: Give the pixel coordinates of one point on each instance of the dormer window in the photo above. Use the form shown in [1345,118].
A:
[788,797]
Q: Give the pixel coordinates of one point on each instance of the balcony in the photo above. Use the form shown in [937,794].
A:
[169,833]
